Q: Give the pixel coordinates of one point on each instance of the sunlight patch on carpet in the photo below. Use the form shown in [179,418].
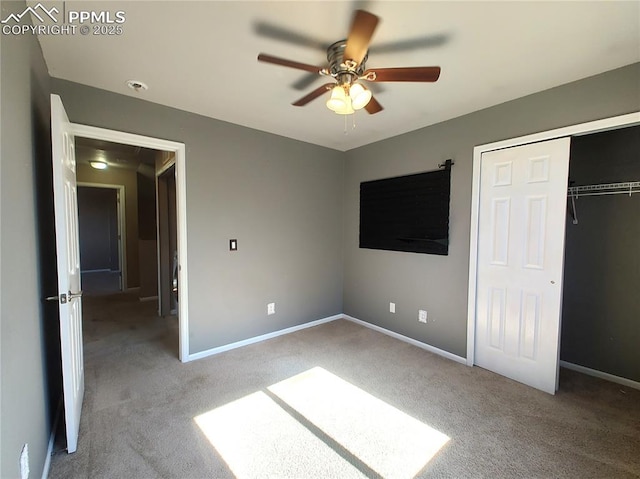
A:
[257,438]
[332,429]
[388,440]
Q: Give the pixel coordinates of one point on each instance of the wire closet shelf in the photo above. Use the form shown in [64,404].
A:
[629,187]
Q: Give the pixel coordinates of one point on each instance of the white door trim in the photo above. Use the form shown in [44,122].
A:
[573,130]
[122,225]
[159,172]
[181,199]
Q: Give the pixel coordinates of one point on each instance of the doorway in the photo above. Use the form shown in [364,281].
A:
[160,149]
[474,328]
[101,234]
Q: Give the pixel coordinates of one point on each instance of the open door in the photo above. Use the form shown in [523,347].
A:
[68,261]
[521,231]
[167,242]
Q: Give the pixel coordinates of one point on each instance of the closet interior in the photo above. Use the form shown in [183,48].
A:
[601,295]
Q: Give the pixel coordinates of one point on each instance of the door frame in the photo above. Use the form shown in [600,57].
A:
[573,130]
[179,149]
[122,225]
[164,277]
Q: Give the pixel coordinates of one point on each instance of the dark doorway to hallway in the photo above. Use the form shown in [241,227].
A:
[99,231]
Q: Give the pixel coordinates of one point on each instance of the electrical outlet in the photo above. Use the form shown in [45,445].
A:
[24,462]
[271,308]
[422,316]
[392,307]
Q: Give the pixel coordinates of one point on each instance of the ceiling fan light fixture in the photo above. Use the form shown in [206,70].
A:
[99,165]
[338,99]
[347,109]
[360,96]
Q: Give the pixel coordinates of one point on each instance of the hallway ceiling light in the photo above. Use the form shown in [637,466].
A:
[99,165]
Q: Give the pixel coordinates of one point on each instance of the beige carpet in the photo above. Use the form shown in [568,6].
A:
[335,401]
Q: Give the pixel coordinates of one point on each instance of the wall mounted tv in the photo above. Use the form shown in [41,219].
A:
[407,213]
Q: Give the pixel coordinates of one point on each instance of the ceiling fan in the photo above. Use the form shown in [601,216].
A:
[347,66]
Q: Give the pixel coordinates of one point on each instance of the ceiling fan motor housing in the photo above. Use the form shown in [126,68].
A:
[337,68]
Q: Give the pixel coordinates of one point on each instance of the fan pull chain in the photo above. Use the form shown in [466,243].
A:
[353,123]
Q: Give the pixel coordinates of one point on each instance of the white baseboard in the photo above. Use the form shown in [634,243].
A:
[148,298]
[135,289]
[406,339]
[257,339]
[52,439]
[602,375]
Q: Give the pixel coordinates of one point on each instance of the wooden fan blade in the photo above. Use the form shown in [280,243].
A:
[373,106]
[284,34]
[288,63]
[314,94]
[362,28]
[417,74]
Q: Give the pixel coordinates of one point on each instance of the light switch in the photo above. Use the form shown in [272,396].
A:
[233,245]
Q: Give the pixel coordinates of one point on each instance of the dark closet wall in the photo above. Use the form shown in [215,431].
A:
[601,308]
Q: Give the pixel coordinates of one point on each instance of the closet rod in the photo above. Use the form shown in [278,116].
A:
[628,188]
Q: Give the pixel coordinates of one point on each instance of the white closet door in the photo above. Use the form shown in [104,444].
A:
[523,193]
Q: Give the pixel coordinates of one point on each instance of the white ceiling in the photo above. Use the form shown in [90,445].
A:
[201,57]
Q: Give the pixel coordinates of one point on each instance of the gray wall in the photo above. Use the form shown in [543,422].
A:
[282,200]
[24,128]
[601,307]
[292,206]
[439,284]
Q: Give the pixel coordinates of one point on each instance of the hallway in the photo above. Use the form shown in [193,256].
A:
[124,320]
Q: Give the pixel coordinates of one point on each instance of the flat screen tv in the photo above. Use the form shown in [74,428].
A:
[407,213]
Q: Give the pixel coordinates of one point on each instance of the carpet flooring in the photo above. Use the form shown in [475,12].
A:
[333,401]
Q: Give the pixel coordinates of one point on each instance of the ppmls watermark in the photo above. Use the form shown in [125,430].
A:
[46,22]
